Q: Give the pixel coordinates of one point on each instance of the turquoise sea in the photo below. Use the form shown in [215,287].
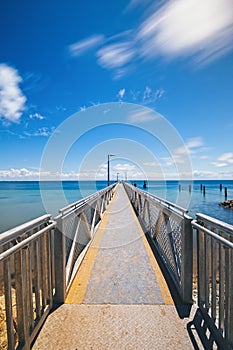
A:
[21,201]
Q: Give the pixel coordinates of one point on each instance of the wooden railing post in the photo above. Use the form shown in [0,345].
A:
[187,260]
[60,262]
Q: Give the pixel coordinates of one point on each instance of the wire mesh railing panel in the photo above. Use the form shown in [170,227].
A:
[170,230]
[75,228]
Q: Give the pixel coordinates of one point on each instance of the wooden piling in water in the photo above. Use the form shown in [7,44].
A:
[225,192]
[204,190]
[220,187]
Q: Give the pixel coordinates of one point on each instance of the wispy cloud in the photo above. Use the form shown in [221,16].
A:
[36,116]
[150,95]
[139,115]
[225,159]
[116,55]
[12,99]
[121,94]
[195,29]
[202,29]
[81,47]
[205,174]
[83,108]
[191,146]
[44,132]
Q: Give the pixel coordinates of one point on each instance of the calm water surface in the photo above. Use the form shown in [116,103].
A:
[21,201]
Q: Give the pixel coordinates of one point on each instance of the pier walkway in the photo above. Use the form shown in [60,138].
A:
[119,298]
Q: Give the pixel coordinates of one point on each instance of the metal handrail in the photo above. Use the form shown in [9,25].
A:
[26,241]
[18,231]
[164,202]
[227,228]
[212,234]
[85,200]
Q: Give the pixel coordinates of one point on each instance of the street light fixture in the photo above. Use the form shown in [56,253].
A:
[109,155]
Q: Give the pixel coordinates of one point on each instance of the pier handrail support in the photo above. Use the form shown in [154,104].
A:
[170,230]
[214,261]
[26,255]
[76,226]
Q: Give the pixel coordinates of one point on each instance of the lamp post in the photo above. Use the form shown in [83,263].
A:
[109,155]
[117,177]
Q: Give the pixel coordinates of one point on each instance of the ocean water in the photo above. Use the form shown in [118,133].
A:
[21,201]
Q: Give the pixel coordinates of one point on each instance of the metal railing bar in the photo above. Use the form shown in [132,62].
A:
[214,235]
[160,200]
[29,288]
[85,200]
[227,294]
[13,233]
[77,265]
[43,271]
[26,241]
[8,305]
[213,277]
[37,278]
[217,223]
[78,210]
[221,288]
[72,252]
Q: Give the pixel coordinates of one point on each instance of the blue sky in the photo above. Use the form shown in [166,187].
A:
[58,58]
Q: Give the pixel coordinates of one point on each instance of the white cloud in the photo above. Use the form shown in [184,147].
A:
[159,93]
[147,96]
[204,174]
[140,116]
[81,47]
[219,165]
[194,143]
[115,55]
[225,159]
[150,96]
[147,93]
[45,132]
[191,146]
[121,94]
[36,116]
[22,173]
[199,29]
[12,100]
[188,27]
[124,167]
[36,174]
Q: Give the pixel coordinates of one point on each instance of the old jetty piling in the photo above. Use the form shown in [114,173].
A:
[115,270]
